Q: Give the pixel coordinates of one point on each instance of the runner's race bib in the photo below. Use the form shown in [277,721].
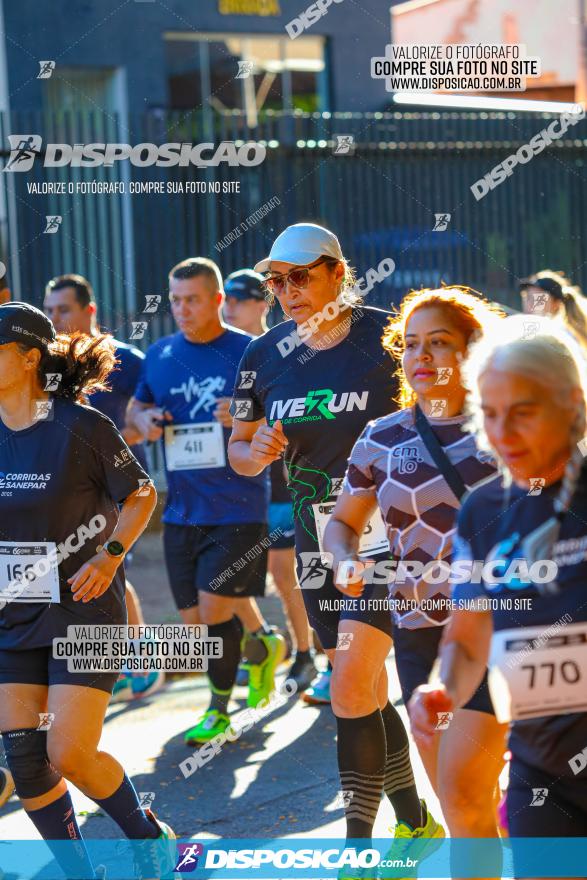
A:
[28,572]
[533,675]
[189,447]
[374,540]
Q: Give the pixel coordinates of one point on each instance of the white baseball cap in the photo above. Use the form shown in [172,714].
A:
[301,244]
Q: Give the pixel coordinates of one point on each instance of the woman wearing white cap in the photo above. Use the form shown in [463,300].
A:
[305,390]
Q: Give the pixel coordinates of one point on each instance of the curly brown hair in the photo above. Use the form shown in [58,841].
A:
[83,363]
[469,310]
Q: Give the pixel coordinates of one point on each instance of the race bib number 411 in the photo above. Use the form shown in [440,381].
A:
[190,447]
[28,572]
[532,676]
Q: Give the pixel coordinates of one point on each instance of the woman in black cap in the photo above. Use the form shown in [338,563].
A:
[551,294]
[65,471]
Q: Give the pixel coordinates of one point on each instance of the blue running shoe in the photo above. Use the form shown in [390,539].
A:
[145,685]
[319,691]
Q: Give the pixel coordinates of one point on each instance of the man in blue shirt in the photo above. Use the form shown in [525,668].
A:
[70,304]
[215,532]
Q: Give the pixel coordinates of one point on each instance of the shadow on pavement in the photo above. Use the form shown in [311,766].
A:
[254,787]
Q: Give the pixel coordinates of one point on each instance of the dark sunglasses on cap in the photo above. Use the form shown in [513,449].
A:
[298,277]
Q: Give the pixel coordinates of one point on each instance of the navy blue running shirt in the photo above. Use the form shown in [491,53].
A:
[56,477]
[324,398]
[488,518]
[186,379]
[122,381]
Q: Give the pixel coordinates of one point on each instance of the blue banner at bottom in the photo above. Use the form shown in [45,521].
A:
[310,858]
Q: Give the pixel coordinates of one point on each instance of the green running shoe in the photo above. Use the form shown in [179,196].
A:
[416,843]
[262,675]
[210,725]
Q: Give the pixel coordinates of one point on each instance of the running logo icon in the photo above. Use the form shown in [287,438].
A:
[536,302]
[443,375]
[46,719]
[441,222]
[243,409]
[539,795]
[345,145]
[24,148]
[343,641]
[187,857]
[53,222]
[151,303]
[437,408]
[245,69]
[43,411]
[313,573]
[536,485]
[146,799]
[444,719]
[247,378]
[47,68]
[343,800]
[530,329]
[138,329]
[52,381]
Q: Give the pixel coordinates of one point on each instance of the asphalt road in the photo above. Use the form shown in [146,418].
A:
[279,779]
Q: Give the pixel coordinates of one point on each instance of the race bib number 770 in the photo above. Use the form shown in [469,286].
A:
[532,675]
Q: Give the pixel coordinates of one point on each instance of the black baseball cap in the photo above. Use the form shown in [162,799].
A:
[245,284]
[549,285]
[21,322]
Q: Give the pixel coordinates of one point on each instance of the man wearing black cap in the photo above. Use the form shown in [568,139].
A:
[245,306]
[246,309]
[543,293]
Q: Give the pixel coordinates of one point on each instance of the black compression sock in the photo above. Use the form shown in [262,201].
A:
[361,763]
[57,824]
[222,670]
[399,783]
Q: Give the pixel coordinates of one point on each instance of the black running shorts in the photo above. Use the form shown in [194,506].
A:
[38,666]
[229,560]
[415,653]
[542,805]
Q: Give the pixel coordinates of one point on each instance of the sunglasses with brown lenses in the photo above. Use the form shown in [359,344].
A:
[298,277]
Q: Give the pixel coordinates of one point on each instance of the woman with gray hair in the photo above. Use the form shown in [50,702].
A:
[528,392]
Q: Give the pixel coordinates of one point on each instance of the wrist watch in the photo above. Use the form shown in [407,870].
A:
[114,549]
